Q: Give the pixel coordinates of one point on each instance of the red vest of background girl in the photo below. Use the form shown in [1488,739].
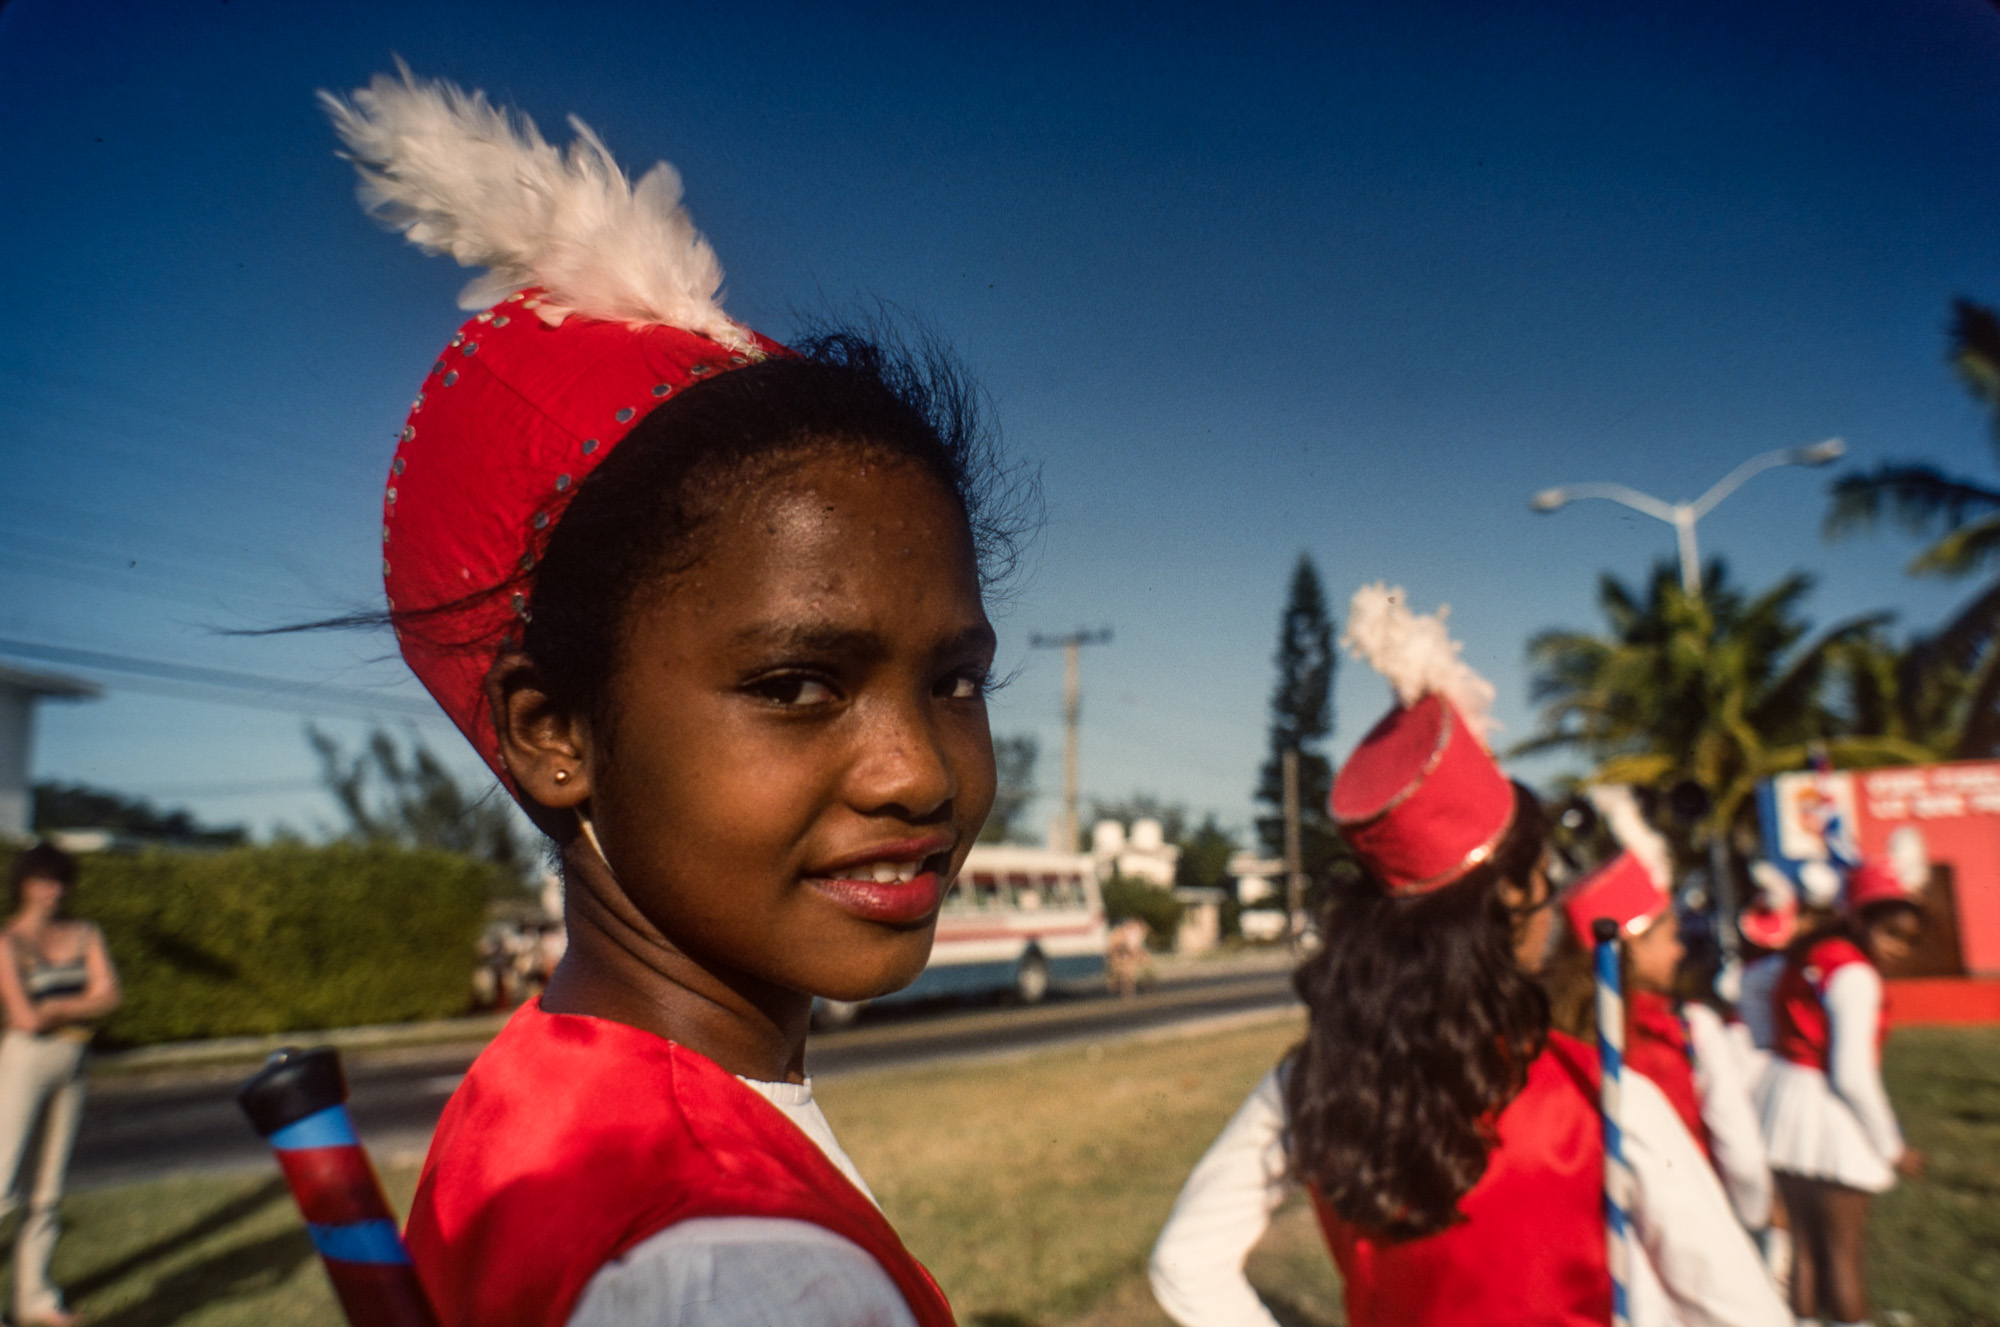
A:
[1800,1003]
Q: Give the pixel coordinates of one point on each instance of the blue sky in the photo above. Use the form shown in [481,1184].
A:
[1347,279]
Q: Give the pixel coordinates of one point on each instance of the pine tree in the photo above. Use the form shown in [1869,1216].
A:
[1302,720]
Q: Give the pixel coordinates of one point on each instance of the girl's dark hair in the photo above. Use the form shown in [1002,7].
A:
[644,511]
[1422,1028]
[40,861]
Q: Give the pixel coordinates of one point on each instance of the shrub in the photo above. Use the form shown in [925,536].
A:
[1158,908]
[283,938]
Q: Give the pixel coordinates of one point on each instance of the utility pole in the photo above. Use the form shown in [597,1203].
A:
[1295,873]
[1072,648]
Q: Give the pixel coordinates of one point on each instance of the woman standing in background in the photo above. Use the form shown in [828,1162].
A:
[55,978]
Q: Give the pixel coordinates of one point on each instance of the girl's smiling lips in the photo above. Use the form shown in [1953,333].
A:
[894,883]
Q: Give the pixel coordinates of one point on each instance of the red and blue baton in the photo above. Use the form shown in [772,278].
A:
[298,1102]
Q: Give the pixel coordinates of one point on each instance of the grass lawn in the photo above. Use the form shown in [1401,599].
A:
[1033,1189]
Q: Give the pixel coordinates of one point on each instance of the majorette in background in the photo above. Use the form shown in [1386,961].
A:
[1440,832]
[1826,1115]
[580,1147]
[1684,1047]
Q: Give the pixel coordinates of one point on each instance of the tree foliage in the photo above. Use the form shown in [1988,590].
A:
[413,801]
[1953,676]
[1014,762]
[1302,720]
[1722,688]
[79,806]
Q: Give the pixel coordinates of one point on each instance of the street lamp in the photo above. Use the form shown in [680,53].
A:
[1683,515]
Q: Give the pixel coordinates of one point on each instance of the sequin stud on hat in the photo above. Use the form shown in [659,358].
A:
[1421,800]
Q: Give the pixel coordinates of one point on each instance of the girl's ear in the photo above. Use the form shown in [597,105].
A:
[546,748]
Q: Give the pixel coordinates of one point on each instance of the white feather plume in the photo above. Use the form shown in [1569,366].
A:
[1417,654]
[1620,809]
[460,176]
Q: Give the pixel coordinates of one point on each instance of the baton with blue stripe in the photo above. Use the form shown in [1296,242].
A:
[1611,1062]
[298,1102]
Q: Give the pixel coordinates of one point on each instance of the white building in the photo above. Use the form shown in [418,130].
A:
[1144,854]
[19,691]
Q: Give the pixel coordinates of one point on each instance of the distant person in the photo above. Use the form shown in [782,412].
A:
[1449,1139]
[55,979]
[1832,1135]
[712,610]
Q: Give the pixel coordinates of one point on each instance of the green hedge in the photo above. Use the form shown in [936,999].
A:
[283,938]
[1158,908]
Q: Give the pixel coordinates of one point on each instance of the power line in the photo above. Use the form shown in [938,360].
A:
[252,689]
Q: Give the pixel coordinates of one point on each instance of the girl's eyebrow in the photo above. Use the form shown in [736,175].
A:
[826,638]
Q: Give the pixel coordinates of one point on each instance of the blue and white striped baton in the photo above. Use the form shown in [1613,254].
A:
[298,1102]
[1611,1060]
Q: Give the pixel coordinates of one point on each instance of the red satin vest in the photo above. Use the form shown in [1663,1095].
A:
[1803,1035]
[1531,1249]
[574,1139]
[1656,1045]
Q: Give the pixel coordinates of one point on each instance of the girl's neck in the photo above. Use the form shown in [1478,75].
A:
[619,966]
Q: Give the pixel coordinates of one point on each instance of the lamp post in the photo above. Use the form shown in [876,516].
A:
[1683,516]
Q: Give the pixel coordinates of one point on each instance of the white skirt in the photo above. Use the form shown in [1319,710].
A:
[1810,1131]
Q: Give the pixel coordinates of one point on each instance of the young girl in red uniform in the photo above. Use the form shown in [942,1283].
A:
[1450,1142]
[1832,1135]
[711,609]
[1683,1047]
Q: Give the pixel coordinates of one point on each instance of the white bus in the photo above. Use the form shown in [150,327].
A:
[1016,920]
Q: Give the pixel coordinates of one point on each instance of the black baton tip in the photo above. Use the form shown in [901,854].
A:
[292,1085]
[1604,930]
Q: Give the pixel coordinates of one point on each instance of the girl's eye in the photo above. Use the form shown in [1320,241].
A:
[792,689]
[965,686]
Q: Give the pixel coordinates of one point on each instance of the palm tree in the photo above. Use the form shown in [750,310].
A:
[1962,519]
[1719,688]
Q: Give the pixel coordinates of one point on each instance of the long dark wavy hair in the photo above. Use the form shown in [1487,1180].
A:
[1422,1027]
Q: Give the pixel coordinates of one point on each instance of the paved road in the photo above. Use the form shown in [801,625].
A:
[139,1128]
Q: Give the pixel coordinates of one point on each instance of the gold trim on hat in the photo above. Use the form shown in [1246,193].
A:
[1476,858]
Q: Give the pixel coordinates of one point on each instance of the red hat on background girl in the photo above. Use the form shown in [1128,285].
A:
[1874,881]
[1421,800]
[1633,889]
[1772,919]
[599,303]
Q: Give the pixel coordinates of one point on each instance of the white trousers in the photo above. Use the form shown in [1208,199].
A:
[41,1102]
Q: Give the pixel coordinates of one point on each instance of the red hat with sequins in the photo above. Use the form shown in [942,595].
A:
[598,304]
[1421,800]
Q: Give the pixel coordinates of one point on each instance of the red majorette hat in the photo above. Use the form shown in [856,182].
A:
[1421,800]
[1772,919]
[598,304]
[1623,891]
[1635,887]
[1876,881]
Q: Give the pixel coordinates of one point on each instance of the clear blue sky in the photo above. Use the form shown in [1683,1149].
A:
[1348,279]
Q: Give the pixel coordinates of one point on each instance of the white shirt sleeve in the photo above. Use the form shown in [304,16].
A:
[1853,1010]
[1734,1133]
[1224,1209]
[743,1272]
[1707,1268]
